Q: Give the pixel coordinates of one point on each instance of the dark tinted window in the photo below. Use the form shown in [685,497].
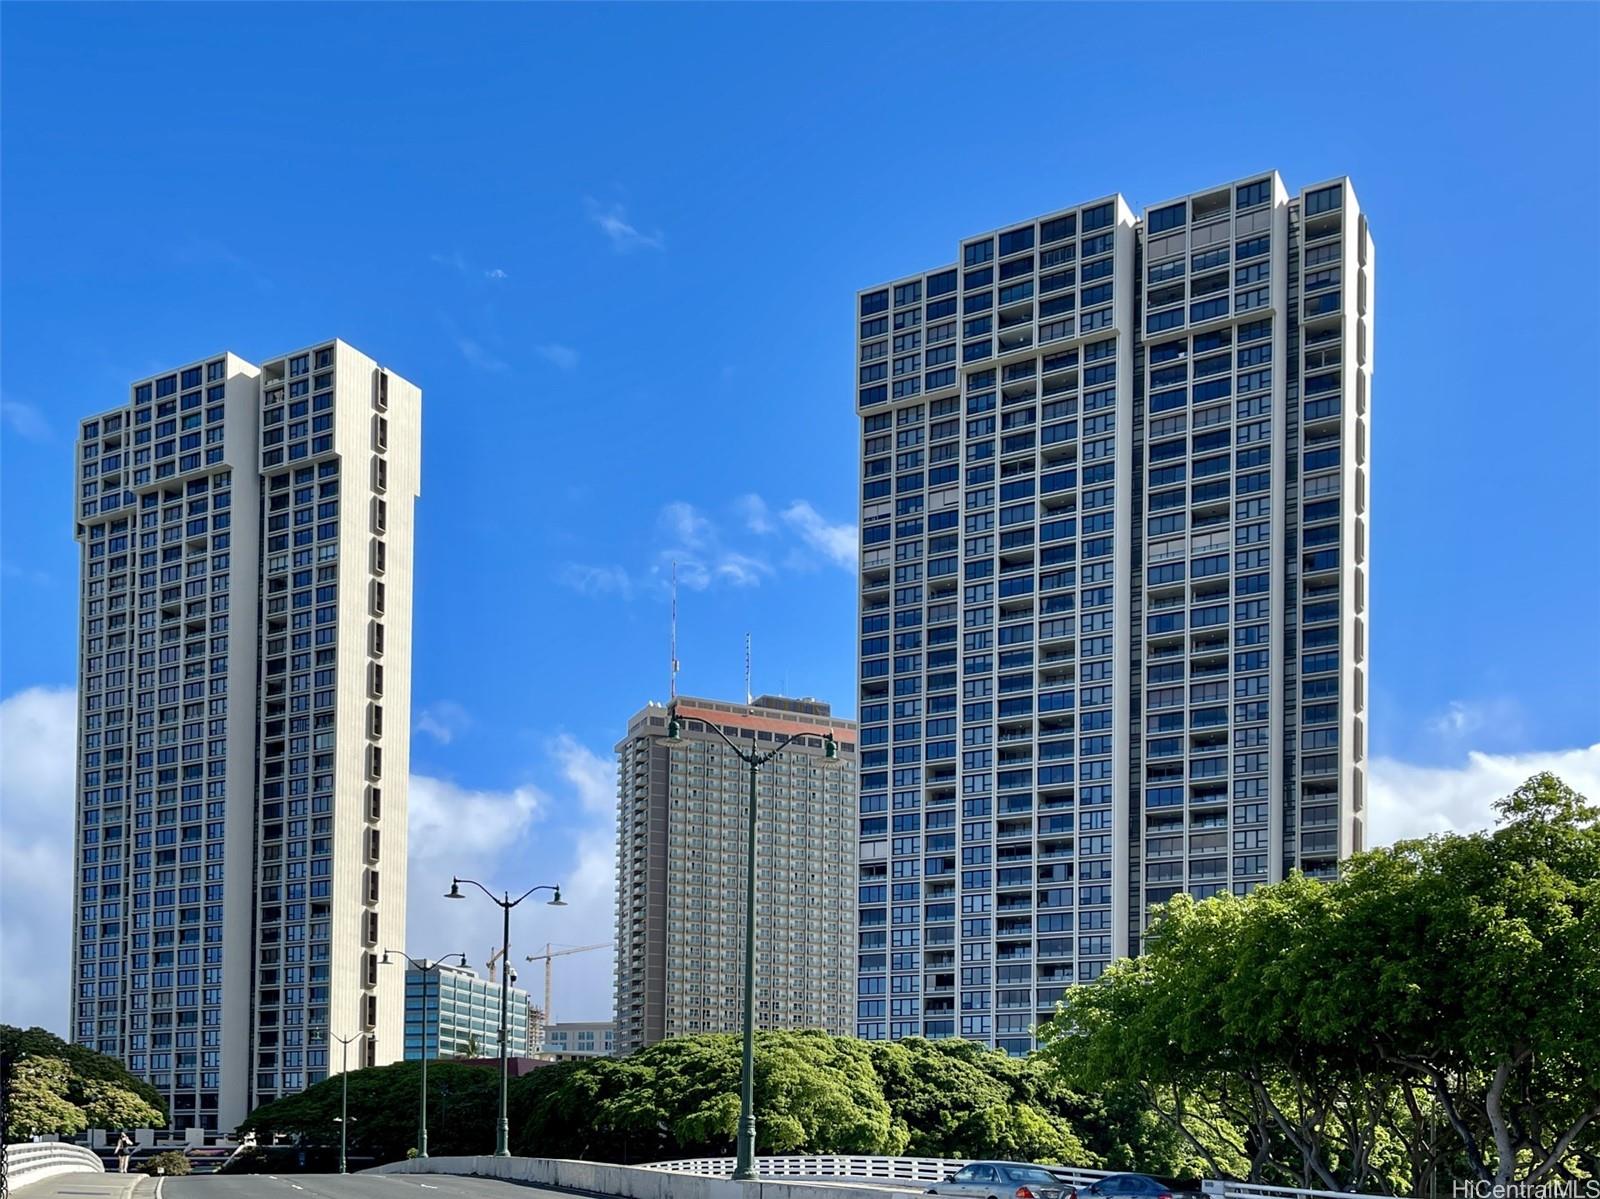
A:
[1169,217]
[1016,241]
[1024,1174]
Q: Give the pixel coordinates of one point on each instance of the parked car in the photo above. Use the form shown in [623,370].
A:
[1003,1180]
[1138,1186]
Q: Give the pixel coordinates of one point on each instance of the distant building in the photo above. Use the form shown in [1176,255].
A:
[461,1016]
[681,826]
[572,1039]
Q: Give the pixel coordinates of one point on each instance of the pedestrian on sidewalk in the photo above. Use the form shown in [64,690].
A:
[124,1152]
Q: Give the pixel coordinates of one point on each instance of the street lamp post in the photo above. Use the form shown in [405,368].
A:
[744,1166]
[502,1140]
[344,1096]
[425,968]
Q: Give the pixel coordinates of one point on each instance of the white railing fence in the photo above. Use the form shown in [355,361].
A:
[928,1171]
[1221,1189]
[38,1160]
[924,1170]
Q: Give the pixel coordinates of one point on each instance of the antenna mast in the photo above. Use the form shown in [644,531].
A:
[749,696]
[672,651]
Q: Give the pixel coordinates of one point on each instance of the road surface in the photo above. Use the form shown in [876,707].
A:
[281,1186]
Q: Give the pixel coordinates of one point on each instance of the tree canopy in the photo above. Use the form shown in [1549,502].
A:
[815,1093]
[1449,983]
[62,1089]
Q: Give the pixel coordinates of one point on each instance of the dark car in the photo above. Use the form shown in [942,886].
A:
[1003,1180]
[1138,1186]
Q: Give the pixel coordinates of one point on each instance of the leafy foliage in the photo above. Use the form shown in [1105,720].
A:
[170,1162]
[1428,1016]
[959,1099]
[98,1088]
[383,1104]
[110,1106]
[815,1093]
[38,1103]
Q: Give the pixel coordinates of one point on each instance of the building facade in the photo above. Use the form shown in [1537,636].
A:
[681,871]
[244,702]
[568,1039]
[1113,589]
[460,1016]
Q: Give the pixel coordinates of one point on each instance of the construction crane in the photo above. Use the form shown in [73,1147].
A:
[551,951]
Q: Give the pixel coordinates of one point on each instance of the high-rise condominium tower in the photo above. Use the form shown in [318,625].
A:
[1113,589]
[244,692]
[682,825]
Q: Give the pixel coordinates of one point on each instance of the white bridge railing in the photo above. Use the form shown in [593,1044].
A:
[38,1160]
[924,1170]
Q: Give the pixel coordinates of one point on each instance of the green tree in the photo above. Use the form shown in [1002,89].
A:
[1440,984]
[462,1105]
[38,1103]
[814,1094]
[171,1162]
[85,1065]
[955,1099]
[1482,960]
[109,1106]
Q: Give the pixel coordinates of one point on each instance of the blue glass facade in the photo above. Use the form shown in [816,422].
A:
[1078,494]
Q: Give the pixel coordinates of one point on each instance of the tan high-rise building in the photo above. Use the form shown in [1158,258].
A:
[244,692]
[681,852]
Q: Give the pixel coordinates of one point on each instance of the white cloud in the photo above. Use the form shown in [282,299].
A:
[38,767]
[687,525]
[593,777]
[584,868]
[583,982]
[563,357]
[450,822]
[741,570]
[1462,719]
[593,580]
[836,542]
[453,830]
[1414,801]
[625,237]
[458,831]
[757,516]
[477,356]
[458,263]
[697,552]
[25,420]
[443,721]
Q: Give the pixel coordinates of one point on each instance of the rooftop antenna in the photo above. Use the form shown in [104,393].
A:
[749,696]
[672,652]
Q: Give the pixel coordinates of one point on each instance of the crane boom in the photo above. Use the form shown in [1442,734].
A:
[550,951]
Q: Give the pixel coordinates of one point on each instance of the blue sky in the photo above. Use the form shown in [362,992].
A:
[617,248]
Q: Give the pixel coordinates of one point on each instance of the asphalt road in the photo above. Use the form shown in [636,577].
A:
[281,1186]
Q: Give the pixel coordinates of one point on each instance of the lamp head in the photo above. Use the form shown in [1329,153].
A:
[830,747]
[558,902]
[674,726]
[455,890]
[384,960]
